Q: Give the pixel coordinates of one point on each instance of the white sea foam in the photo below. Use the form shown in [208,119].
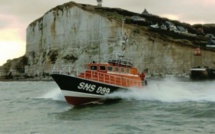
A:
[165,90]
[171,90]
[54,94]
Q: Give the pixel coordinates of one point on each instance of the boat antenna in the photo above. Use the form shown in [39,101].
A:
[123,22]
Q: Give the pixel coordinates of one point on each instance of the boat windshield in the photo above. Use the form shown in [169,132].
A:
[116,69]
[122,70]
[102,68]
[93,67]
[110,68]
[127,70]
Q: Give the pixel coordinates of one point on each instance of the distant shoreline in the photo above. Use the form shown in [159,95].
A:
[24,79]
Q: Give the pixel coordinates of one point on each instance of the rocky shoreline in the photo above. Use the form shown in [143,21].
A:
[3,79]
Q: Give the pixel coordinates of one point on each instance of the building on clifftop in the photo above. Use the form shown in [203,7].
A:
[99,3]
[145,12]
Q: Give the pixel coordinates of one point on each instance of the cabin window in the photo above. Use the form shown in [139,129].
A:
[93,67]
[116,69]
[127,70]
[110,69]
[102,68]
[122,70]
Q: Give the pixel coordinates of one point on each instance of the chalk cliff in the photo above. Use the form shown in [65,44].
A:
[72,34]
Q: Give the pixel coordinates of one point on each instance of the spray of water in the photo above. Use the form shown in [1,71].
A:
[165,90]
[54,94]
[170,90]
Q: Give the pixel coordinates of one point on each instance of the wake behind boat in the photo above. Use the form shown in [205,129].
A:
[98,80]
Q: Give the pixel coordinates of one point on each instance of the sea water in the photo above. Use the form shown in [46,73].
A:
[165,106]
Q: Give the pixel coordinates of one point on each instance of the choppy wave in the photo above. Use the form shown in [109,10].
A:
[20,109]
[171,90]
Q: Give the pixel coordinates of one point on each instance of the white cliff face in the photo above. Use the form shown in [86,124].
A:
[71,35]
[71,32]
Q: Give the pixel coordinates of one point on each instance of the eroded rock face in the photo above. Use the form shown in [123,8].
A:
[72,35]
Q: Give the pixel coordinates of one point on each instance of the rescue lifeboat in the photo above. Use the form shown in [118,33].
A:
[98,80]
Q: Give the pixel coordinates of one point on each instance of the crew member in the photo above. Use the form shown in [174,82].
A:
[142,76]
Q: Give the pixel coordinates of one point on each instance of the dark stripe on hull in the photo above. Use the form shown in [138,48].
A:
[79,100]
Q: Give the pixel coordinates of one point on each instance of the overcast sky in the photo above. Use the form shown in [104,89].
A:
[16,15]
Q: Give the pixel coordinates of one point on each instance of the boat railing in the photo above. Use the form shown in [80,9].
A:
[66,69]
[111,78]
[120,59]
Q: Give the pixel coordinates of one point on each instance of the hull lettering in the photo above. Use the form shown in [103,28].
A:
[86,86]
[91,88]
